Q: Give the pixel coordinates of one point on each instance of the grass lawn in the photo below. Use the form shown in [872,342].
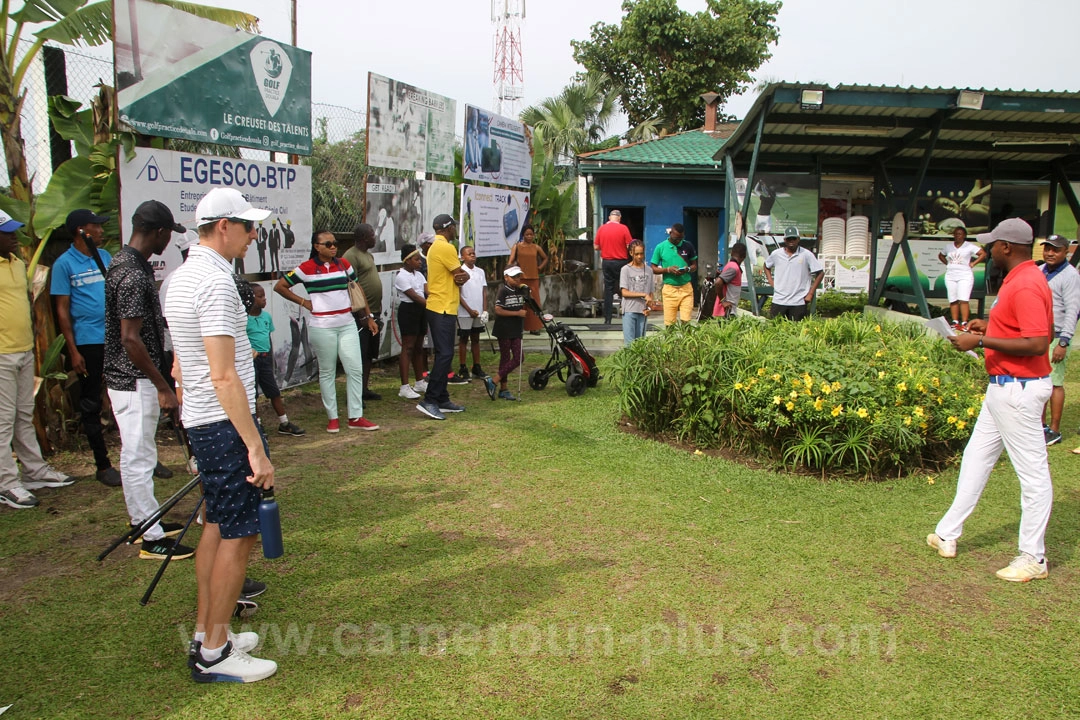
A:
[536,560]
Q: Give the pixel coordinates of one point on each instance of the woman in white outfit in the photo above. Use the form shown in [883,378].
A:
[959,257]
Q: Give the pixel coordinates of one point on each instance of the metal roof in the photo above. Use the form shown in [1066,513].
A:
[682,153]
[1016,133]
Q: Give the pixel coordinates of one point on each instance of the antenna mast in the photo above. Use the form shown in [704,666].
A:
[507,16]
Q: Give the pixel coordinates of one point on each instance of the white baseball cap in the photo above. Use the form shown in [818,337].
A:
[7,224]
[513,271]
[221,203]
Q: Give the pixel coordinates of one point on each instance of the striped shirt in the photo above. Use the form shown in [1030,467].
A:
[203,302]
[327,286]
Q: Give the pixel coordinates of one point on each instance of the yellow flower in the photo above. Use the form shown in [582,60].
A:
[761,371]
[921,388]
[877,328]
[836,385]
[790,405]
[796,382]
[794,394]
[808,381]
[777,400]
[879,353]
[929,480]
[923,425]
[861,412]
[776,377]
[918,411]
[901,386]
[818,404]
[825,388]
[971,412]
[952,419]
[907,420]
[961,424]
[752,383]
[881,374]
[739,386]
[839,409]
[937,383]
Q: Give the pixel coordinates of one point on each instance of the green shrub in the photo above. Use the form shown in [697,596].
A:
[841,396]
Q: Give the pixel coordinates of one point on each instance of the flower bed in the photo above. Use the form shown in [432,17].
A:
[841,396]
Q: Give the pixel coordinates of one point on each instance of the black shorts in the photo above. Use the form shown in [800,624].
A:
[411,320]
[231,501]
[264,376]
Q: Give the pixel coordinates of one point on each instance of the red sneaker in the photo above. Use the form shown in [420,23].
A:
[362,424]
[333,426]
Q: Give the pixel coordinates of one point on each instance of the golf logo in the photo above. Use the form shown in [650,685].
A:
[272,69]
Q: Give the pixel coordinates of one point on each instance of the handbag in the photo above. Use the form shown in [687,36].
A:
[357,298]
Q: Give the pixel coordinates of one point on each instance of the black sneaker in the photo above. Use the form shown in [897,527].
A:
[371,395]
[252,588]
[245,608]
[193,649]
[1052,437]
[451,407]
[169,528]
[478,372]
[290,428]
[162,473]
[463,371]
[455,379]
[159,550]
[109,477]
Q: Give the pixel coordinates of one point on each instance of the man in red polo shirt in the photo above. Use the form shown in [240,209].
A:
[1016,340]
[612,240]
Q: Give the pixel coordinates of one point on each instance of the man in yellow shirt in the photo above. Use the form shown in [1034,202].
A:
[445,276]
[17,382]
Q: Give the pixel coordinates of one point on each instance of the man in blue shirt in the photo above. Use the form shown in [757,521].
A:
[78,292]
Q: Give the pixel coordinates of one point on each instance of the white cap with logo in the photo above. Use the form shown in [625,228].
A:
[7,224]
[226,203]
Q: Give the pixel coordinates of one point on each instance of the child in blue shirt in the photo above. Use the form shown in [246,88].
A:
[259,327]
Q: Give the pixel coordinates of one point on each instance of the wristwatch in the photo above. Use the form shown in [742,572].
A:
[1063,342]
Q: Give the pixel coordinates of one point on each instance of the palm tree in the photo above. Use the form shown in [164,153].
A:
[69,22]
[576,118]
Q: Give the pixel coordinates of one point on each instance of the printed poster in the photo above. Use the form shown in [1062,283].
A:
[409,128]
[400,210]
[492,219]
[498,150]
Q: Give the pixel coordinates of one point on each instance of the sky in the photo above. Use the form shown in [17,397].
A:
[447,47]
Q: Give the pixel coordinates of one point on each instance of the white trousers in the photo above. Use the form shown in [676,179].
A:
[17,419]
[137,415]
[1010,419]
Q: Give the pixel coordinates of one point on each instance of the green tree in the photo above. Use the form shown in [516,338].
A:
[574,120]
[554,202]
[67,22]
[663,58]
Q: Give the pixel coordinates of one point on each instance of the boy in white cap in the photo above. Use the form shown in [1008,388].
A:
[209,330]
[509,328]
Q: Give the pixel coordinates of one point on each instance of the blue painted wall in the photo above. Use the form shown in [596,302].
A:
[663,201]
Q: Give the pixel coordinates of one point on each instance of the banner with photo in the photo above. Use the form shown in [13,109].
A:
[947,203]
[166,60]
[180,180]
[779,201]
[498,149]
[294,357]
[409,128]
[400,209]
[492,219]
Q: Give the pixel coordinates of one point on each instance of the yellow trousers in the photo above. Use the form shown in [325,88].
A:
[678,301]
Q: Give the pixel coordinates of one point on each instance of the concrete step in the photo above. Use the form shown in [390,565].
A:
[599,339]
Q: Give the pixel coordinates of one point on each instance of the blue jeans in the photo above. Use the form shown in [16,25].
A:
[633,327]
[443,328]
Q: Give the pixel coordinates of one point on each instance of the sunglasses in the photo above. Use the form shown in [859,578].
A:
[328,244]
[249,225]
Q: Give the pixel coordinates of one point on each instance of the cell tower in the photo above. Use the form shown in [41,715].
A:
[507,16]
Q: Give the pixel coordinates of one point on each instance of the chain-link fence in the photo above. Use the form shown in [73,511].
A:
[337,161]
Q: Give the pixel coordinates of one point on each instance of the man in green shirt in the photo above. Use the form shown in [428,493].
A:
[360,257]
[676,260]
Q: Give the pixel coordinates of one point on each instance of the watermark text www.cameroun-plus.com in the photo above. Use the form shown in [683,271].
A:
[793,639]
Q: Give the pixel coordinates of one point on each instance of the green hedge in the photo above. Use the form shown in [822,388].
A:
[839,396]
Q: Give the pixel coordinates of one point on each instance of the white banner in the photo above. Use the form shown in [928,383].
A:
[180,180]
[492,219]
[498,149]
[409,128]
[294,357]
[400,209]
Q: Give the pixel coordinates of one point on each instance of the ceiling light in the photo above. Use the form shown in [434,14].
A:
[848,130]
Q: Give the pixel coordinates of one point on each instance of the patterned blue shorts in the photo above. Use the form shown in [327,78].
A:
[231,501]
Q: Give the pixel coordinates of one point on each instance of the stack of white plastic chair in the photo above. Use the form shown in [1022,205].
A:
[832,237]
[858,235]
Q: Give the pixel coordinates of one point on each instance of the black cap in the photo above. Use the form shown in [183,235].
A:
[78,218]
[791,232]
[442,222]
[1058,241]
[155,215]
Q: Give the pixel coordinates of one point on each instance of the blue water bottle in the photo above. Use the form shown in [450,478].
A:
[270,525]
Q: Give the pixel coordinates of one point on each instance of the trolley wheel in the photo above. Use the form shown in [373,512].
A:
[538,379]
[593,379]
[575,384]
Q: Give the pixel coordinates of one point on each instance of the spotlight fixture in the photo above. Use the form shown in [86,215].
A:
[969,100]
[812,99]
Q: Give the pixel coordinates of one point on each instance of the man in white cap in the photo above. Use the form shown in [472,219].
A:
[17,382]
[1016,339]
[216,378]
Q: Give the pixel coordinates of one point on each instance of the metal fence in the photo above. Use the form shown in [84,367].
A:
[337,162]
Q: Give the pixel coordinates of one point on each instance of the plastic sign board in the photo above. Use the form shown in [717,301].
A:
[492,219]
[498,149]
[409,128]
[181,76]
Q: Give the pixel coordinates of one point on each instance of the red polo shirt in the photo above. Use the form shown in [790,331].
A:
[613,238]
[1024,309]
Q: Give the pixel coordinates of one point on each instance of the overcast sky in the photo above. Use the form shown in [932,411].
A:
[447,47]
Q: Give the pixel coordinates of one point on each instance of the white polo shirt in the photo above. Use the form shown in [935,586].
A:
[203,302]
[792,274]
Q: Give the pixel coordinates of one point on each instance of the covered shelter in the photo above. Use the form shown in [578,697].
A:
[909,164]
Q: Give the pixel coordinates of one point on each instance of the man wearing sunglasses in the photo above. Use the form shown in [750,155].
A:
[216,378]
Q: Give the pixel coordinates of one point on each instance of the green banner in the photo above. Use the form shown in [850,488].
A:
[245,90]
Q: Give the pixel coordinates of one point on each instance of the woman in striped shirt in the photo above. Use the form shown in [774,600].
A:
[333,334]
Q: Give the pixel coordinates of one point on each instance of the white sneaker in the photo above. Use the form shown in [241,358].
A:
[408,393]
[19,498]
[1023,568]
[245,641]
[233,666]
[49,478]
[945,548]
[420,386]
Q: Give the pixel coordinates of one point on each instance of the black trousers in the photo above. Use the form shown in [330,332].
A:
[90,386]
[611,269]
